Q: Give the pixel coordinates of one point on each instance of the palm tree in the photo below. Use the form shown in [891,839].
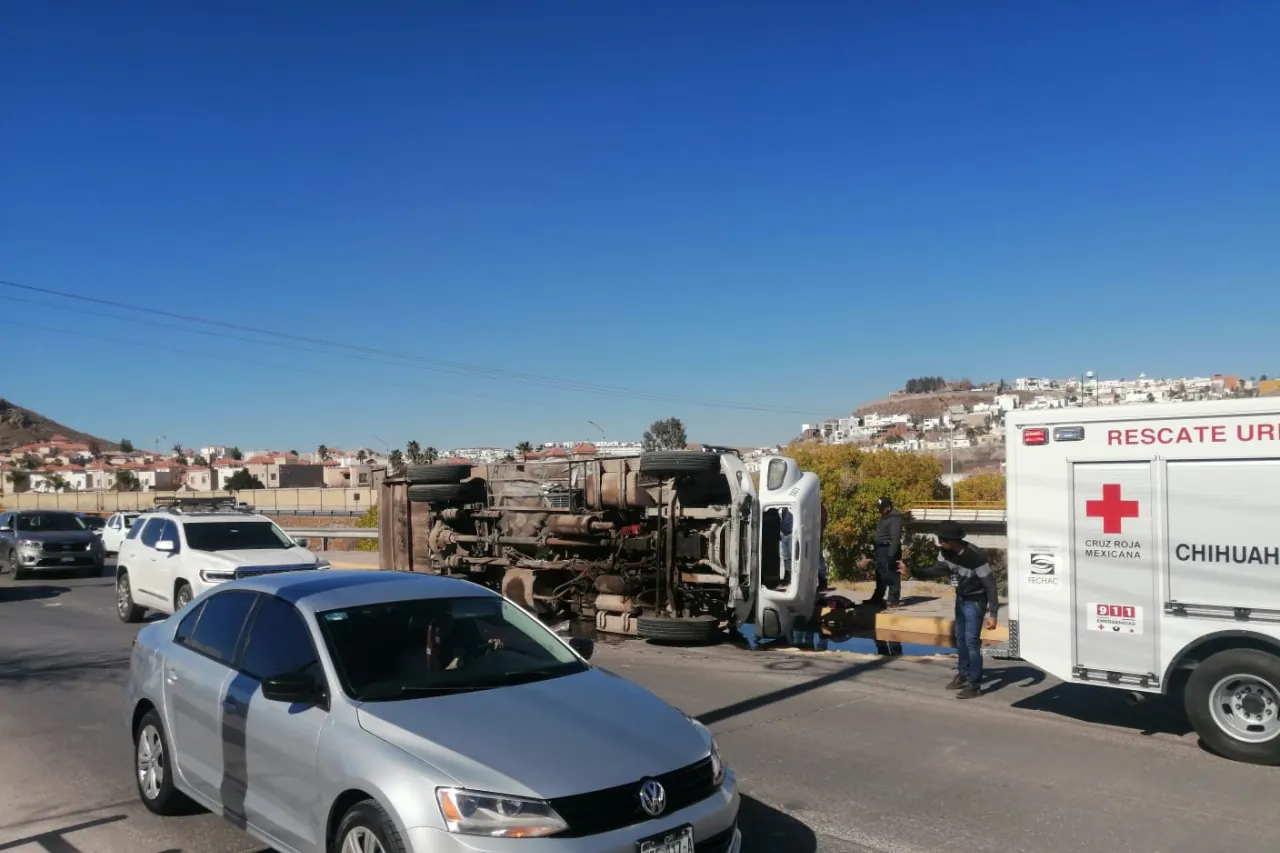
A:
[177,448]
[361,455]
[395,461]
[56,482]
[413,450]
[323,453]
[19,479]
[430,454]
[524,448]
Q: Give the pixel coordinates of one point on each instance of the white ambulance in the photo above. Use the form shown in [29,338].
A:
[1144,554]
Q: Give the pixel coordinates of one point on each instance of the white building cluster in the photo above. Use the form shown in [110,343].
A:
[982,423]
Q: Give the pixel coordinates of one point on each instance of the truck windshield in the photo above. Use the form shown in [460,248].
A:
[236,536]
[437,646]
[47,522]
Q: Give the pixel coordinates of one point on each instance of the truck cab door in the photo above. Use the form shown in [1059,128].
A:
[790,547]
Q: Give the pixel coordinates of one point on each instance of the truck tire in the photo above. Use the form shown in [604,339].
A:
[1233,703]
[666,463]
[671,629]
[443,493]
[436,474]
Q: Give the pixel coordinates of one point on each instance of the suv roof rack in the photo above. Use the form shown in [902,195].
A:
[181,505]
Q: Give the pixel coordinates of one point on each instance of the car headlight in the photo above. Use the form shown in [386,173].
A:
[474,813]
[30,543]
[718,767]
[217,577]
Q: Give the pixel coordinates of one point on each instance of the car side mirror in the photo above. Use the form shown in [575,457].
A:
[584,646]
[166,545]
[292,689]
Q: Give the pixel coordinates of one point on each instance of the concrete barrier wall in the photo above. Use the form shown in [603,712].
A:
[266,500]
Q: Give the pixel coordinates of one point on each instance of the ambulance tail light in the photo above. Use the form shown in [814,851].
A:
[1039,435]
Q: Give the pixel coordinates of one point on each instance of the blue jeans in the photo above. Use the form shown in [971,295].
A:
[969,616]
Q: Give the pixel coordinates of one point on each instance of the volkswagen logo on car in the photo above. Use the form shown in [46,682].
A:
[653,798]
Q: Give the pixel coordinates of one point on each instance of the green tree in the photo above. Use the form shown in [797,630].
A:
[56,482]
[177,448]
[666,434]
[524,448]
[127,481]
[368,520]
[95,448]
[852,481]
[201,462]
[30,461]
[395,462]
[126,446]
[323,453]
[430,454]
[981,488]
[362,455]
[241,480]
[19,479]
[237,454]
[413,452]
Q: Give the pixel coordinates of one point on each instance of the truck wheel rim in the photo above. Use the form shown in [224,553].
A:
[1246,708]
[150,762]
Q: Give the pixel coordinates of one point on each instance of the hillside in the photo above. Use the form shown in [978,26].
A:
[928,405]
[20,426]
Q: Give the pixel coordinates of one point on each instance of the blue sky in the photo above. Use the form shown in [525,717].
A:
[794,207]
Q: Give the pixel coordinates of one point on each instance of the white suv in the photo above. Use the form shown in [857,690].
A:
[179,550]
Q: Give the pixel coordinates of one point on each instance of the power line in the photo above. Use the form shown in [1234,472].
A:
[459,368]
[363,381]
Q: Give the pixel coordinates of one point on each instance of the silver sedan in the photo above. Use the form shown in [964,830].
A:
[383,712]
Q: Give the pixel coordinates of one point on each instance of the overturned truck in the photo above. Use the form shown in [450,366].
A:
[672,545]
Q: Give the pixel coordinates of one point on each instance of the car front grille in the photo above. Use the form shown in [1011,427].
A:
[614,808]
[64,547]
[255,571]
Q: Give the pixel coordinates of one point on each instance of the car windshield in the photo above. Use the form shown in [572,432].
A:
[93,522]
[236,536]
[436,646]
[47,522]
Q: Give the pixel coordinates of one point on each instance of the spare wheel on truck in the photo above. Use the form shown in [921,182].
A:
[674,629]
[668,463]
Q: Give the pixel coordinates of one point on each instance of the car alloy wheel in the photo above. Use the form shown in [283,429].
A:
[150,762]
[361,840]
[183,598]
[124,597]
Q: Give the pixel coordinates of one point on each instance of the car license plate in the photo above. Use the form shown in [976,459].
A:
[678,840]
[68,559]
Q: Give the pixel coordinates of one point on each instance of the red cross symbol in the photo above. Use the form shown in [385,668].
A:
[1111,509]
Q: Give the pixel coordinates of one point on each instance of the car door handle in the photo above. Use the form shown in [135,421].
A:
[171,676]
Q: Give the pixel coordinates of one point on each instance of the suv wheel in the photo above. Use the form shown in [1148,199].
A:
[125,608]
[15,570]
[182,597]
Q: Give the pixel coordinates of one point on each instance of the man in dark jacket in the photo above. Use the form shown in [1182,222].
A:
[977,602]
[888,554]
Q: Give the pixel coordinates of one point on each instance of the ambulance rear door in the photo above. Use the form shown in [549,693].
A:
[1116,605]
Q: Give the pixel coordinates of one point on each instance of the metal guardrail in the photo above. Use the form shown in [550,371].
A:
[988,515]
[959,505]
[324,534]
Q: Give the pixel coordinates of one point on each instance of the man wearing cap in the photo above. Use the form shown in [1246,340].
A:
[888,554]
[977,602]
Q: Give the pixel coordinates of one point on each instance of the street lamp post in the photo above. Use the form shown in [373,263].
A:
[951,446]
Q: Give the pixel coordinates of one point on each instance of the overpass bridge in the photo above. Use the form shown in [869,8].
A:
[984,522]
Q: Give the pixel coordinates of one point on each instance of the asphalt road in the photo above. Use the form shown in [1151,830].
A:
[833,753]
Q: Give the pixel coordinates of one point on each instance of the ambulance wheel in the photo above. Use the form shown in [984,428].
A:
[670,629]
[1233,702]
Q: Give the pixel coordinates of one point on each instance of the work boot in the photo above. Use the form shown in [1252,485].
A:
[957,682]
[969,691]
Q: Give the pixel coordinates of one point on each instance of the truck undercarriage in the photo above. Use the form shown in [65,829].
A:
[660,545]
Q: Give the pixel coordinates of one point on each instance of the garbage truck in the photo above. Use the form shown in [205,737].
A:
[675,545]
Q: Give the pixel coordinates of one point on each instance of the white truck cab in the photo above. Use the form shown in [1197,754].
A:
[1144,554]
